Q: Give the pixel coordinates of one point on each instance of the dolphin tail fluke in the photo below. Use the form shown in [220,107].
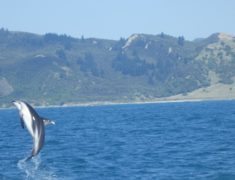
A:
[28,158]
[33,153]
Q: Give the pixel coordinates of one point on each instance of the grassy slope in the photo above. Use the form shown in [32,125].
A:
[59,69]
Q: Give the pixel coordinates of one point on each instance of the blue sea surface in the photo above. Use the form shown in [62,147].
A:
[165,141]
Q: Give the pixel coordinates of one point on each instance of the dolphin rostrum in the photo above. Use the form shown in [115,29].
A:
[30,119]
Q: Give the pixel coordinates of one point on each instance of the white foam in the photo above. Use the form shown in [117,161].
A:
[32,169]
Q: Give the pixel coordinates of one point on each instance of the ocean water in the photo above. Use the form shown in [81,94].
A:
[167,141]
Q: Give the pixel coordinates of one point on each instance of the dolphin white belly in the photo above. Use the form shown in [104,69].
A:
[28,119]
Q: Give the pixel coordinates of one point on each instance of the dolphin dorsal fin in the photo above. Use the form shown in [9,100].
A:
[47,121]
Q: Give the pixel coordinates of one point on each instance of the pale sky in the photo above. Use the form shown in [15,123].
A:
[112,19]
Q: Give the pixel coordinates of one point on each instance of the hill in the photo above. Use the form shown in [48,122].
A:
[56,69]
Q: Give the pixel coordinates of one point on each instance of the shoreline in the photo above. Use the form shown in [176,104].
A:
[111,103]
[140,102]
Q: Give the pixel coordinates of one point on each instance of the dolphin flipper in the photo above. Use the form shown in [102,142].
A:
[22,123]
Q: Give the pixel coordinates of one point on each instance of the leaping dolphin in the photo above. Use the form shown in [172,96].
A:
[30,119]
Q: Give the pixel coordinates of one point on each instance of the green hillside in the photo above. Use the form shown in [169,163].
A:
[56,69]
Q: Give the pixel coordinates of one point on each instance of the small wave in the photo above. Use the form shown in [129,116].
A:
[33,169]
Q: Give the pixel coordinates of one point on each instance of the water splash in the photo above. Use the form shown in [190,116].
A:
[33,169]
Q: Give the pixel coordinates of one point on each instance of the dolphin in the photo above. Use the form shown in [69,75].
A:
[30,119]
